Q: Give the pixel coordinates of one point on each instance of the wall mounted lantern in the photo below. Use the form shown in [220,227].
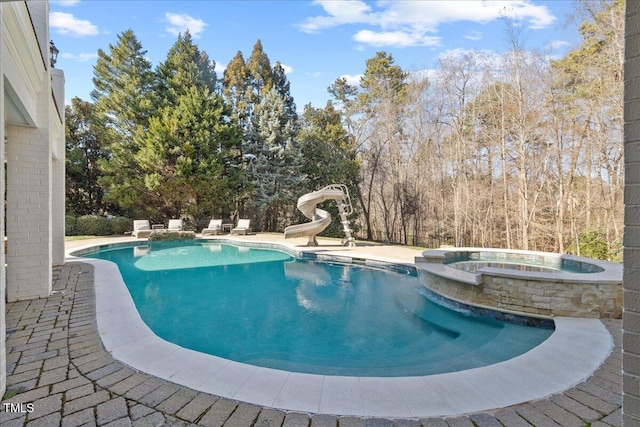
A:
[54,53]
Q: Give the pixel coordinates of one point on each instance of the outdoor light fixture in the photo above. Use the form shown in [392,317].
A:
[54,53]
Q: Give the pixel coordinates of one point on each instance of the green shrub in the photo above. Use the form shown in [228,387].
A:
[93,225]
[96,225]
[615,253]
[171,235]
[70,225]
[120,225]
[592,244]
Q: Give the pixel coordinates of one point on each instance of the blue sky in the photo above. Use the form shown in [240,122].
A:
[317,41]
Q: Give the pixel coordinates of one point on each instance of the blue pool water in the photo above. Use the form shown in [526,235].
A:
[266,308]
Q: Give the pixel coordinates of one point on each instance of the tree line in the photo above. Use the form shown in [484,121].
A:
[518,150]
[177,142]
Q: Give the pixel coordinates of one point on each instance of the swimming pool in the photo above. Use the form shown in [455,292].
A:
[266,308]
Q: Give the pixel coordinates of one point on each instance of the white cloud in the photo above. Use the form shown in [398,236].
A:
[352,80]
[558,44]
[456,53]
[81,57]
[67,24]
[473,35]
[483,58]
[539,17]
[408,23]
[66,3]
[220,68]
[430,14]
[339,13]
[179,23]
[481,63]
[395,38]
[427,73]
[287,69]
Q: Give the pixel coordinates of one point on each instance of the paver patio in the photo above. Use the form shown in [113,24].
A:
[56,363]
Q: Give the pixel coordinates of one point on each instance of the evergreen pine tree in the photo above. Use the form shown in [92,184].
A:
[124,101]
[185,66]
[84,150]
[185,157]
[329,150]
[188,155]
[283,87]
[244,86]
[275,169]
[123,86]
[235,84]
[260,74]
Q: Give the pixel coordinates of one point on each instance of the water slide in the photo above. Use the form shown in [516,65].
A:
[320,219]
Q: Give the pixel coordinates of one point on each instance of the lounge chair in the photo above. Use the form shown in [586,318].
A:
[141,228]
[243,227]
[214,227]
[175,225]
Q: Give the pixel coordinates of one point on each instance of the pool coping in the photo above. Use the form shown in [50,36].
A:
[572,353]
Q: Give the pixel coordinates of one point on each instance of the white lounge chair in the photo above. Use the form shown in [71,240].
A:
[243,227]
[214,227]
[175,225]
[141,228]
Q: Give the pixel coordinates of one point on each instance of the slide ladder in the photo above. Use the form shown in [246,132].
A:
[344,208]
[320,218]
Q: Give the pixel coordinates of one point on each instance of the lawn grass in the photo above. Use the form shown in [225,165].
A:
[72,238]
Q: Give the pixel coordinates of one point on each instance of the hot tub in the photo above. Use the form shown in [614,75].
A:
[535,283]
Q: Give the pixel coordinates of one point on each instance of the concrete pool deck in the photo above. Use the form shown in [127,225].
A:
[572,384]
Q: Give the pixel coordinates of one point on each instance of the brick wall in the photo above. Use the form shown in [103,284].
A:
[3,284]
[631,277]
[29,197]
[28,203]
